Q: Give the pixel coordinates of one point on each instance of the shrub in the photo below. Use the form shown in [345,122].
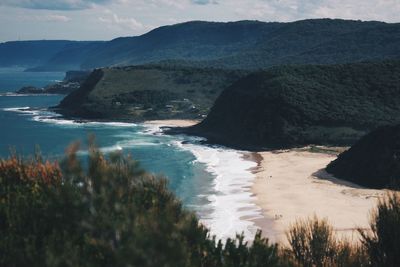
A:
[313,243]
[108,212]
[383,241]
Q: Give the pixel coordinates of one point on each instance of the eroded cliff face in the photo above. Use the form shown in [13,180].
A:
[74,104]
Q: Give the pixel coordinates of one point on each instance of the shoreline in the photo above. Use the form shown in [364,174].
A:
[172,123]
[281,187]
[298,188]
[231,208]
[293,184]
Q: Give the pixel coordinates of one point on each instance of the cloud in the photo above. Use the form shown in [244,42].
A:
[53,18]
[115,20]
[45,18]
[290,10]
[204,2]
[134,17]
[179,4]
[54,4]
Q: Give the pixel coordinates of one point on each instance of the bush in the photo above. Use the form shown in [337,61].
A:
[383,241]
[108,213]
[313,243]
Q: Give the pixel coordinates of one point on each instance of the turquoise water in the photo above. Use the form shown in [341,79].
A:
[25,123]
[213,181]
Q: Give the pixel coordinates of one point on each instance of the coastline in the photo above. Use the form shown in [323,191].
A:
[270,190]
[173,123]
[293,184]
[230,208]
[245,197]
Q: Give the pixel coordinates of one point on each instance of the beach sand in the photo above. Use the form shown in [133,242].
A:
[173,123]
[293,185]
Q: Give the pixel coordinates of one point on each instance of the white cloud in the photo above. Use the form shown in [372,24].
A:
[53,18]
[54,4]
[115,20]
[387,10]
[204,2]
[45,18]
[87,19]
[291,10]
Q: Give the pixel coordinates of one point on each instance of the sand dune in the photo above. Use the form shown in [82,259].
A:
[292,185]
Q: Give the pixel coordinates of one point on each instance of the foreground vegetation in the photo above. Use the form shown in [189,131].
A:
[112,213]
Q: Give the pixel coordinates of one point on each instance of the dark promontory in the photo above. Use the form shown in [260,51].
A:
[292,106]
[140,93]
[374,161]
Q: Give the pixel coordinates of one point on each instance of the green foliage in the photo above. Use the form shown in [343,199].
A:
[383,240]
[313,243]
[373,161]
[110,213]
[253,44]
[291,106]
[238,45]
[148,92]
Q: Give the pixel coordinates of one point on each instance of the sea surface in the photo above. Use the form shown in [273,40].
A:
[212,181]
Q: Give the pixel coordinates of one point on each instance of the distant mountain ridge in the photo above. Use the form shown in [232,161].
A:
[31,54]
[236,45]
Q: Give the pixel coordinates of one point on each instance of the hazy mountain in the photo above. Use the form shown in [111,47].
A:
[68,58]
[242,44]
[191,41]
[253,44]
[36,53]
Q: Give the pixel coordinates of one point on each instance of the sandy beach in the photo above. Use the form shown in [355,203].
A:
[293,185]
[173,123]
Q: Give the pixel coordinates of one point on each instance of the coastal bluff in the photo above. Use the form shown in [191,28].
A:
[292,106]
[151,92]
[374,161]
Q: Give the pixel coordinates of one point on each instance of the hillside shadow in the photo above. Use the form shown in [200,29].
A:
[324,175]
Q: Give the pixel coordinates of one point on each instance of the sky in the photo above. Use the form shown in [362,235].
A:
[108,19]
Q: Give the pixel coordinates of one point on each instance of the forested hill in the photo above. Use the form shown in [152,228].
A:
[236,45]
[291,106]
[253,44]
[140,93]
[374,161]
[31,54]
[190,41]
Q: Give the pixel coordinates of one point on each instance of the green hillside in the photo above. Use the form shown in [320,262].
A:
[148,92]
[297,105]
[235,45]
[254,44]
[374,161]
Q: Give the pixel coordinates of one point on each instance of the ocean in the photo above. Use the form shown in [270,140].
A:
[212,181]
